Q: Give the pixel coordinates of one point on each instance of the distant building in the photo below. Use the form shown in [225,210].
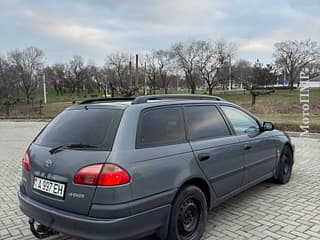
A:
[312,82]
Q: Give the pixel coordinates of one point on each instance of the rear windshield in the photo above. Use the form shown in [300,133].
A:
[96,127]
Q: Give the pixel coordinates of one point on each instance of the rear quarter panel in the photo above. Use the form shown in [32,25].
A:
[156,172]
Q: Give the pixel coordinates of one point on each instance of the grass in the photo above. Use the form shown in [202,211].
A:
[282,107]
[67,97]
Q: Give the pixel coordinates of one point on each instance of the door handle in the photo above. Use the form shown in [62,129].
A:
[246,147]
[203,156]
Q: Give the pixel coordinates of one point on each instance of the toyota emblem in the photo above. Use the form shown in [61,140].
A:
[48,163]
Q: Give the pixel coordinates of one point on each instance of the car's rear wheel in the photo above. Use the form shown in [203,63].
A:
[284,169]
[188,215]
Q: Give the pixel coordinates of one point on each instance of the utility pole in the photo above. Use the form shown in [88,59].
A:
[230,81]
[106,86]
[44,89]
[136,73]
[130,72]
[145,78]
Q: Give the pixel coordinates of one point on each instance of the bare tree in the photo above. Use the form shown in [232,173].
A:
[76,74]
[164,62]
[120,64]
[211,57]
[8,85]
[111,80]
[292,56]
[89,82]
[186,56]
[312,69]
[100,77]
[4,79]
[151,72]
[56,76]
[243,72]
[28,63]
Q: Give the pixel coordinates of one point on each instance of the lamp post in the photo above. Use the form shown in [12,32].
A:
[145,79]
[230,81]
[44,88]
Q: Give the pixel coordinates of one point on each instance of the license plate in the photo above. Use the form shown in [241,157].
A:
[51,187]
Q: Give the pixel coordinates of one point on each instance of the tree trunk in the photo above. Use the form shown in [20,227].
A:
[28,96]
[210,90]
[57,90]
[291,80]
[153,87]
[8,110]
[166,90]
[253,99]
[112,92]
[193,88]
[192,85]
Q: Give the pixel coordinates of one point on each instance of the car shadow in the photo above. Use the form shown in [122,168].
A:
[226,206]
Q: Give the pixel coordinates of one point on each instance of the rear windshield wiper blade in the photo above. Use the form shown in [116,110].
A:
[70,146]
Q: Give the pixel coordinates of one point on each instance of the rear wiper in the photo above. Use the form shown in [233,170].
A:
[70,146]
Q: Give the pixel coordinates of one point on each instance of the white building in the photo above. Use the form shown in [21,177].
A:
[313,82]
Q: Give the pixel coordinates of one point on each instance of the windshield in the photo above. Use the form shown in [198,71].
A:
[92,127]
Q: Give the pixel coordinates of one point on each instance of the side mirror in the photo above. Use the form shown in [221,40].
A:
[267,126]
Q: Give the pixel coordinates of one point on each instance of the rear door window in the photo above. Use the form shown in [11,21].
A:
[95,127]
[159,127]
[205,122]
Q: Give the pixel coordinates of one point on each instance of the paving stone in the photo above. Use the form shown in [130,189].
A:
[266,211]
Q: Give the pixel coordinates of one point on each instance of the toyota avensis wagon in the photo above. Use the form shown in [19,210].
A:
[126,168]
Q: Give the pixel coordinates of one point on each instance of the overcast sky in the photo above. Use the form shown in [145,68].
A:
[94,28]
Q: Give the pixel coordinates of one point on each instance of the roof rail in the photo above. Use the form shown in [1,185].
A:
[114,99]
[145,99]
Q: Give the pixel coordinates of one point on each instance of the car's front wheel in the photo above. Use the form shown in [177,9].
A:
[284,169]
[188,215]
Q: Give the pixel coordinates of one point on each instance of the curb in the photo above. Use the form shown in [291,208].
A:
[25,120]
[298,134]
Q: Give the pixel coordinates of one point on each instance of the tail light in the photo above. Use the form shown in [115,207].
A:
[26,162]
[102,175]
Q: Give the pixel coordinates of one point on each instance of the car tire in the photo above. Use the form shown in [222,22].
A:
[284,169]
[188,215]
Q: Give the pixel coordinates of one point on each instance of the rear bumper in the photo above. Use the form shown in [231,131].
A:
[134,226]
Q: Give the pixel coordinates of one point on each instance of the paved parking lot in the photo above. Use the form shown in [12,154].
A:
[267,211]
